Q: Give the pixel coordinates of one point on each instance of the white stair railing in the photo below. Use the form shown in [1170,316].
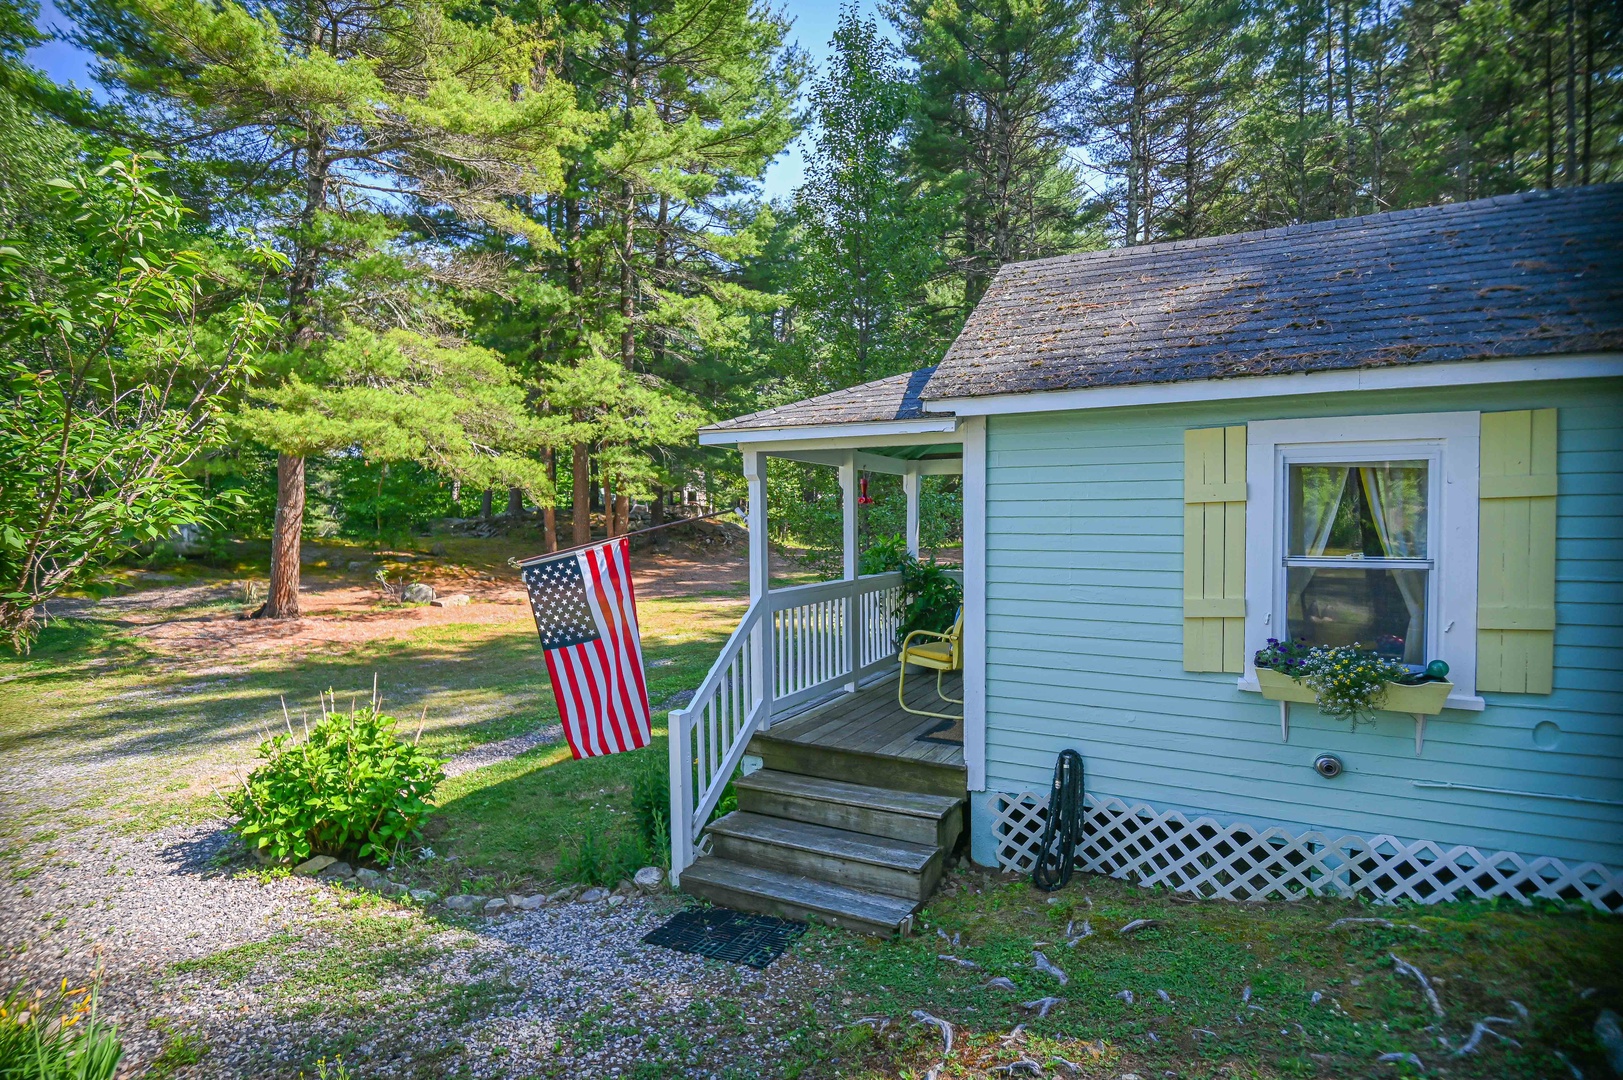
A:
[794,647]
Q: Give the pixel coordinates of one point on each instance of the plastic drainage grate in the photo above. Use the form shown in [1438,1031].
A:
[722,934]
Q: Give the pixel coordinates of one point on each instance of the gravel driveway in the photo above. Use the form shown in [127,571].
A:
[259,975]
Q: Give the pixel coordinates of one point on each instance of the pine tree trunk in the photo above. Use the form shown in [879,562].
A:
[1549,96]
[282,600]
[610,518]
[1589,88]
[515,503]
[1570,171]
[484,505]
[656,509]
[549,512]
[582,509]
[622,514]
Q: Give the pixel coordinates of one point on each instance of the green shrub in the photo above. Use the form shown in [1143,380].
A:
[352,788]
[56,1035]
[929,599]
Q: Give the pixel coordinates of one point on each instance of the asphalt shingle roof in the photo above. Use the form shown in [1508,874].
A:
[895,398]
[1518,275]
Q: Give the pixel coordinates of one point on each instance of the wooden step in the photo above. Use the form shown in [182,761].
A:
[934,820]
[790,896]
[839,856]
[859,767]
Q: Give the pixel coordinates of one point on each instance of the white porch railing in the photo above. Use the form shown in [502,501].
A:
[792,647]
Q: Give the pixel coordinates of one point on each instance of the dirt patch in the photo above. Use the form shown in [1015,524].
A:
[202,623]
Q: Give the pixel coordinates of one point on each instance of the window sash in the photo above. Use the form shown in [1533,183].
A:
[1349,562]
[1354,455]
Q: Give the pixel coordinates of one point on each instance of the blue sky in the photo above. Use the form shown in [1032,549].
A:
[813,26]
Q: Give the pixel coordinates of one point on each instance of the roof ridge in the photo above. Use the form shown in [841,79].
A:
[1305,227]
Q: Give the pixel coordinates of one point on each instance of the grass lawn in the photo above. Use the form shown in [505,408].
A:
[1251,990]
[125,731]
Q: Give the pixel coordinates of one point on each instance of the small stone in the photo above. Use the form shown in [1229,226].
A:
[625,888]
[528,903]
[466,903]
[370,879]
[338,871]
[458,600]
[424,896]
[353,566]
[650,879]
[313,865]
[418,593]
[616,900]
[393,888]
[495,906]
[593,896]
[561,896]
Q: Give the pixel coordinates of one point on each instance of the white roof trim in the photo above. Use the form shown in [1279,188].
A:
[898,432]
[1405,377]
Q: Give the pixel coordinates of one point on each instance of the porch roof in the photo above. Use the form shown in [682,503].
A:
[882,407]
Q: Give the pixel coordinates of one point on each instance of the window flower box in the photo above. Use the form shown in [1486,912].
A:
[1419,701]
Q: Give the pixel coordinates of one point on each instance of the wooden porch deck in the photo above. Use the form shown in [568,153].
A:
[871,722]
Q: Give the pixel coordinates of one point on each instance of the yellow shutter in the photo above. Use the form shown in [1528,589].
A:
[1214,549]
[1515,652]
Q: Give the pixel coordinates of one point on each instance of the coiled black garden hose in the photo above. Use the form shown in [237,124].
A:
[1062,831]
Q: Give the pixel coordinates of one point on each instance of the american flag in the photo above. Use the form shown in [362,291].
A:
[587,617]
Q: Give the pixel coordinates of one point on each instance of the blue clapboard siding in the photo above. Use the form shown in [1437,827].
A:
[1084,541]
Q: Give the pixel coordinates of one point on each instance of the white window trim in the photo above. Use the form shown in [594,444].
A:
[1452,440]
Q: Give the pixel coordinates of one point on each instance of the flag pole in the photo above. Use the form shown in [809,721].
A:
[521,563]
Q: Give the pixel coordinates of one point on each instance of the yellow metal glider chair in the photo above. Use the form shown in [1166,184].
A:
[942,654]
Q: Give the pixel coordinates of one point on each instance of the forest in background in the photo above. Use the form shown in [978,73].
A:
[343,266]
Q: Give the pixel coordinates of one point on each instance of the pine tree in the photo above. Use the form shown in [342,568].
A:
[331,125]
[1000,85]
[867,230]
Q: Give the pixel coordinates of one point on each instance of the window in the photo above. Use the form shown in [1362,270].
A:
[1363,530]
[1356,559]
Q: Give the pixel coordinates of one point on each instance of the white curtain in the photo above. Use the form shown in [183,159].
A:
[1320,505]
[1398,510]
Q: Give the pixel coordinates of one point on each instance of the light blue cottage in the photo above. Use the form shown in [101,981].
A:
[1404,430]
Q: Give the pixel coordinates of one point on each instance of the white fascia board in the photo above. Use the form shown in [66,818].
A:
[837,436]
[1405,377]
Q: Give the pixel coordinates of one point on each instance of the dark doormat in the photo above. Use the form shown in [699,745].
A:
[724,934]
[947,733]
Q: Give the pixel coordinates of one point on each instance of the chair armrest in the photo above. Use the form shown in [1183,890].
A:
[924,633]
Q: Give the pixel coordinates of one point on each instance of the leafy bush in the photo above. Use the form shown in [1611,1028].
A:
[352,787]
[56,1035]
[929,599]
[884,554]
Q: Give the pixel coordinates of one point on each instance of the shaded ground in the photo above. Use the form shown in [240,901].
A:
[135,710]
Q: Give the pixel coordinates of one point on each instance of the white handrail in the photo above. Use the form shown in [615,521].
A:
[819,638]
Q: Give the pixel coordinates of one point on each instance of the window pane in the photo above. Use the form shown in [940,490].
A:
[1380,609]
[1374,509]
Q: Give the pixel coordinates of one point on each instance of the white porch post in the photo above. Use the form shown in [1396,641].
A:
[848,505]
[975,601]
[761,676]
[910,489]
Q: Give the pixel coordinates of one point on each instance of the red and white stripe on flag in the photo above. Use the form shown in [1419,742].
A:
[586,613]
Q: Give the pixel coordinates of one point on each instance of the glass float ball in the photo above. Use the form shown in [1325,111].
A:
[1437,669]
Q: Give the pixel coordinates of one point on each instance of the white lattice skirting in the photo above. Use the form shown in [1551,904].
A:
[1243,862]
